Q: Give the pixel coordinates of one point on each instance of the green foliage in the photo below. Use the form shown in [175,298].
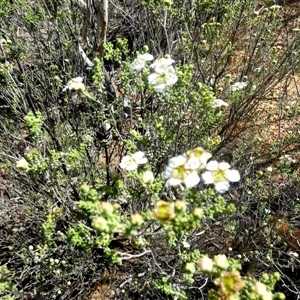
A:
[6,7]
[118,51]
[33,16]
[34,123]
[80,236]
[49,225]
[6,287]
[167,288]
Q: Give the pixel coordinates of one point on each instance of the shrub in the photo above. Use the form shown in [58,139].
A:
[122,165]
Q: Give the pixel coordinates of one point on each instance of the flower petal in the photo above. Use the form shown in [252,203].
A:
[158,63]
[193,163]
[232,175]
[191,180]
[142,161]
[124,161]
[139,63]
[205,157]
[138,155]
[146,57]
[208,177]
[152,78]
[77,79]
[171,79]
[132,166]
[213,165]
[173,182]
[177,161]
[160,87]
[224,166]
[168,172]
[222,186]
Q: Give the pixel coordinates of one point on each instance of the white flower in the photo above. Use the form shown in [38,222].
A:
[158,63]
[219,103]
[164,74]
[139,63]
[286,160]
[238,86]
[172,172]
[163,77]
[220,175]
[184,168]
[131,162]
[75,84]
[177,172]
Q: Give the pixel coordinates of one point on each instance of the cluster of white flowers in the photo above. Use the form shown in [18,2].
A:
[163,74]
[185,168]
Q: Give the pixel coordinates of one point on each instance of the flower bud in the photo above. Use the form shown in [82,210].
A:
[145,48]
[22,164]
[168,2]
[260,289]
[106,126]
[100,224]
[106,208]
[198,212]
[136,220]
[164,211]
[147,177]
[276,275]
[190,267]
[84,189]
[180,205]
[205,264]
[221,261]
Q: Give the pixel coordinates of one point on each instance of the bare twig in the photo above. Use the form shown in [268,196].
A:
[127,256]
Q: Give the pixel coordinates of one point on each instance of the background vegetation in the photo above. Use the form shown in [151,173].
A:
[75,225]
